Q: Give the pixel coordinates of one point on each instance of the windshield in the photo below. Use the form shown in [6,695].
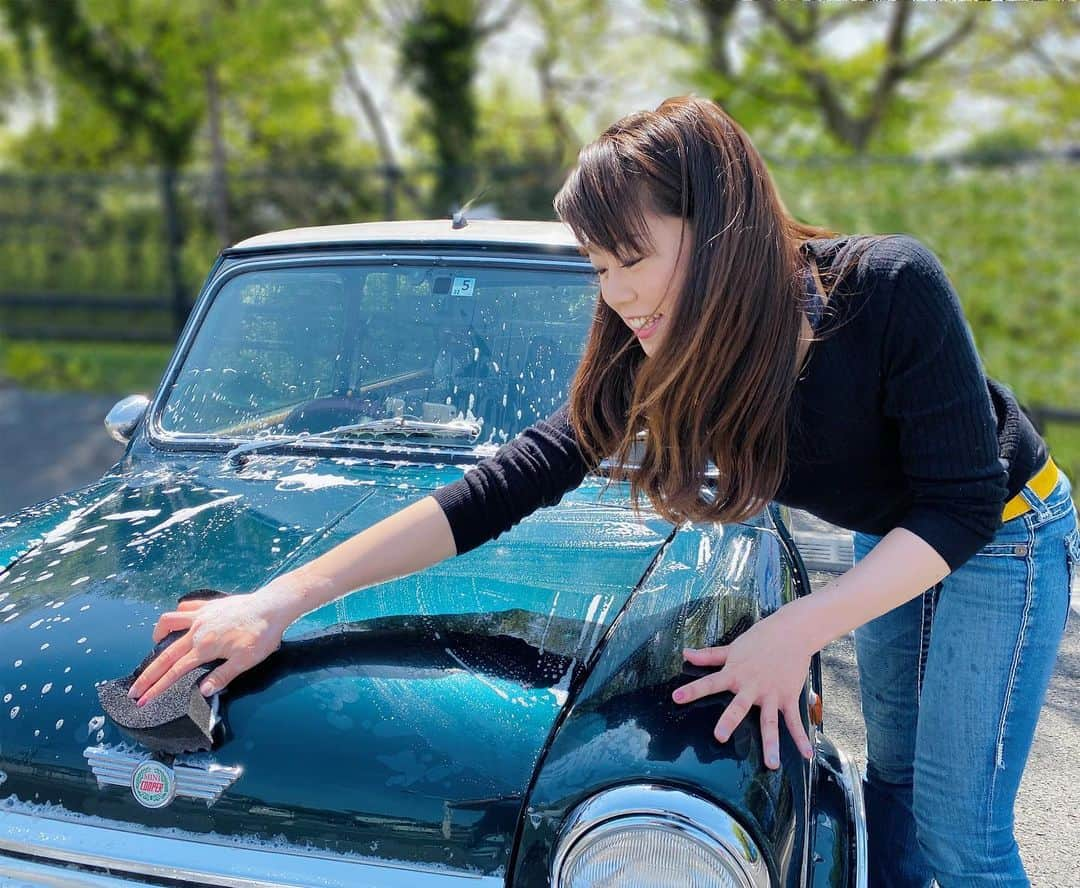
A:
[284,351]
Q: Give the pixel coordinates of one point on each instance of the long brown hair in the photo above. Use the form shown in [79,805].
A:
[720,382]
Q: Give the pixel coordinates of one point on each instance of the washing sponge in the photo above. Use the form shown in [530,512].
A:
[179,720]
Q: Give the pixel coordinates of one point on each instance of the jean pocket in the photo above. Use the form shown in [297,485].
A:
[1012,540]
[1072,558]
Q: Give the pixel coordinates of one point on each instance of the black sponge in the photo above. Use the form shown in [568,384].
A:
[179,720]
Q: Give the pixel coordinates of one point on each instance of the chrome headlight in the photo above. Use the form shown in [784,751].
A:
[657,836]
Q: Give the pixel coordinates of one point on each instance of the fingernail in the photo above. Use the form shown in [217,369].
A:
[721,737]
[207,688]
[142,702]
[772,761]
[132,694]
[679,696]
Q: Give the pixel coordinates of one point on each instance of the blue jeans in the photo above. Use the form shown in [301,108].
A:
[952,683]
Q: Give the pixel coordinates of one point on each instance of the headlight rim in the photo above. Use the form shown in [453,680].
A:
[672,807]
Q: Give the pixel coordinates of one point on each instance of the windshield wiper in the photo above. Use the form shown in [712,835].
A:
[376,428]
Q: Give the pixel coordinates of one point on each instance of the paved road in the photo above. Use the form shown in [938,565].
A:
[54,442]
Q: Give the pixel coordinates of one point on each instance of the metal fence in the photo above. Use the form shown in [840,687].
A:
[119,257]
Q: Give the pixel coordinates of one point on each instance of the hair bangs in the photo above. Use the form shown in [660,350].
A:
[604,205]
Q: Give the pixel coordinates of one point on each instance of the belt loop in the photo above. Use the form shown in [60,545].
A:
[1033,494]
[1034,500]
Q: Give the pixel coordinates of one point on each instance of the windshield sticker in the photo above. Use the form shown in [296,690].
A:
[463,287]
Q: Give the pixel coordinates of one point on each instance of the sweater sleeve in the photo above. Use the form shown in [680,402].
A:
[534,469]
[935,391]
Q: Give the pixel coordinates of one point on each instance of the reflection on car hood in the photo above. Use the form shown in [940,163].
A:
[403,721]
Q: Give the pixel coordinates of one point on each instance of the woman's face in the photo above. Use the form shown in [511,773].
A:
[644,290]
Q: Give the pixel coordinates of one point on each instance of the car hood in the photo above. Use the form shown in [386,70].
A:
[401,722]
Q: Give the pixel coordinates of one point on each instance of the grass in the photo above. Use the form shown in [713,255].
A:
[97,367]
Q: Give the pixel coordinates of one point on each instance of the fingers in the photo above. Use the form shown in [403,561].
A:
[160,665]
[793,720]
[182,666]
[169,622]
[770,733]
[193,604]
[733,715]
[738,708]
[702,687]
[220,677]
[713,656]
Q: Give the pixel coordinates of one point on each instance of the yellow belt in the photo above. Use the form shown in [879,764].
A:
[1042,482]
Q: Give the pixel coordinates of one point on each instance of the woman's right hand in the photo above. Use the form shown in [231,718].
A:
[242,630]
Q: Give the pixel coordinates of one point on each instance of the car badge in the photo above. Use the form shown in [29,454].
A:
[155,783]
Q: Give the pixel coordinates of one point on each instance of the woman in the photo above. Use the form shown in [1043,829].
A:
[864,403]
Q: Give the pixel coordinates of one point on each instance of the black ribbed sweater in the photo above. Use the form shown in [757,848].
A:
[894,422]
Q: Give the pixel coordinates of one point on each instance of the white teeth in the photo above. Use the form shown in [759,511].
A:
[642,322]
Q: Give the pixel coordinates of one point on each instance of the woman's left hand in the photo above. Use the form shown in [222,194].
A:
[767,665]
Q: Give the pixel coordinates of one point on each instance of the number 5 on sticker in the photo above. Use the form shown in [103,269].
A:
[463,287]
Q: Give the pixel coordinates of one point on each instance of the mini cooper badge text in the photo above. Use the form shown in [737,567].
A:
[155,783]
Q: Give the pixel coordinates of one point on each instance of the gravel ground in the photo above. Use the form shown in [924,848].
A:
[55,442]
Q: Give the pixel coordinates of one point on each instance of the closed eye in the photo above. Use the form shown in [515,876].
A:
[628,264]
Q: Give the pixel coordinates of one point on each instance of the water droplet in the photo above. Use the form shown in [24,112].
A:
[14,711]
[18,663]
[67,690]
[80,640]
[45,688]
[59,724]
[43,646]
[96,722]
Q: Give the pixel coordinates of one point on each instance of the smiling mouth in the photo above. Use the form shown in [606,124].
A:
[639,323]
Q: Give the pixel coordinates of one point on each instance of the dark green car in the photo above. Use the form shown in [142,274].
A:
[502,718]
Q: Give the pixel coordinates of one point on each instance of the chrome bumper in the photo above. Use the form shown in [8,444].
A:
[57,853]
[852,781]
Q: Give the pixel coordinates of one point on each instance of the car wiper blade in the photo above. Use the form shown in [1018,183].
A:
[456,428]
[397,425]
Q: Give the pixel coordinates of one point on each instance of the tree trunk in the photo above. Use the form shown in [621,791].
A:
[219,175]
[174,242]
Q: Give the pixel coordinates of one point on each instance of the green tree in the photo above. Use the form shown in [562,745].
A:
[148,93]
[812,78]
[438,42]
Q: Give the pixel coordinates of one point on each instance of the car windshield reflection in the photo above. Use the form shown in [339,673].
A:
[455,356]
